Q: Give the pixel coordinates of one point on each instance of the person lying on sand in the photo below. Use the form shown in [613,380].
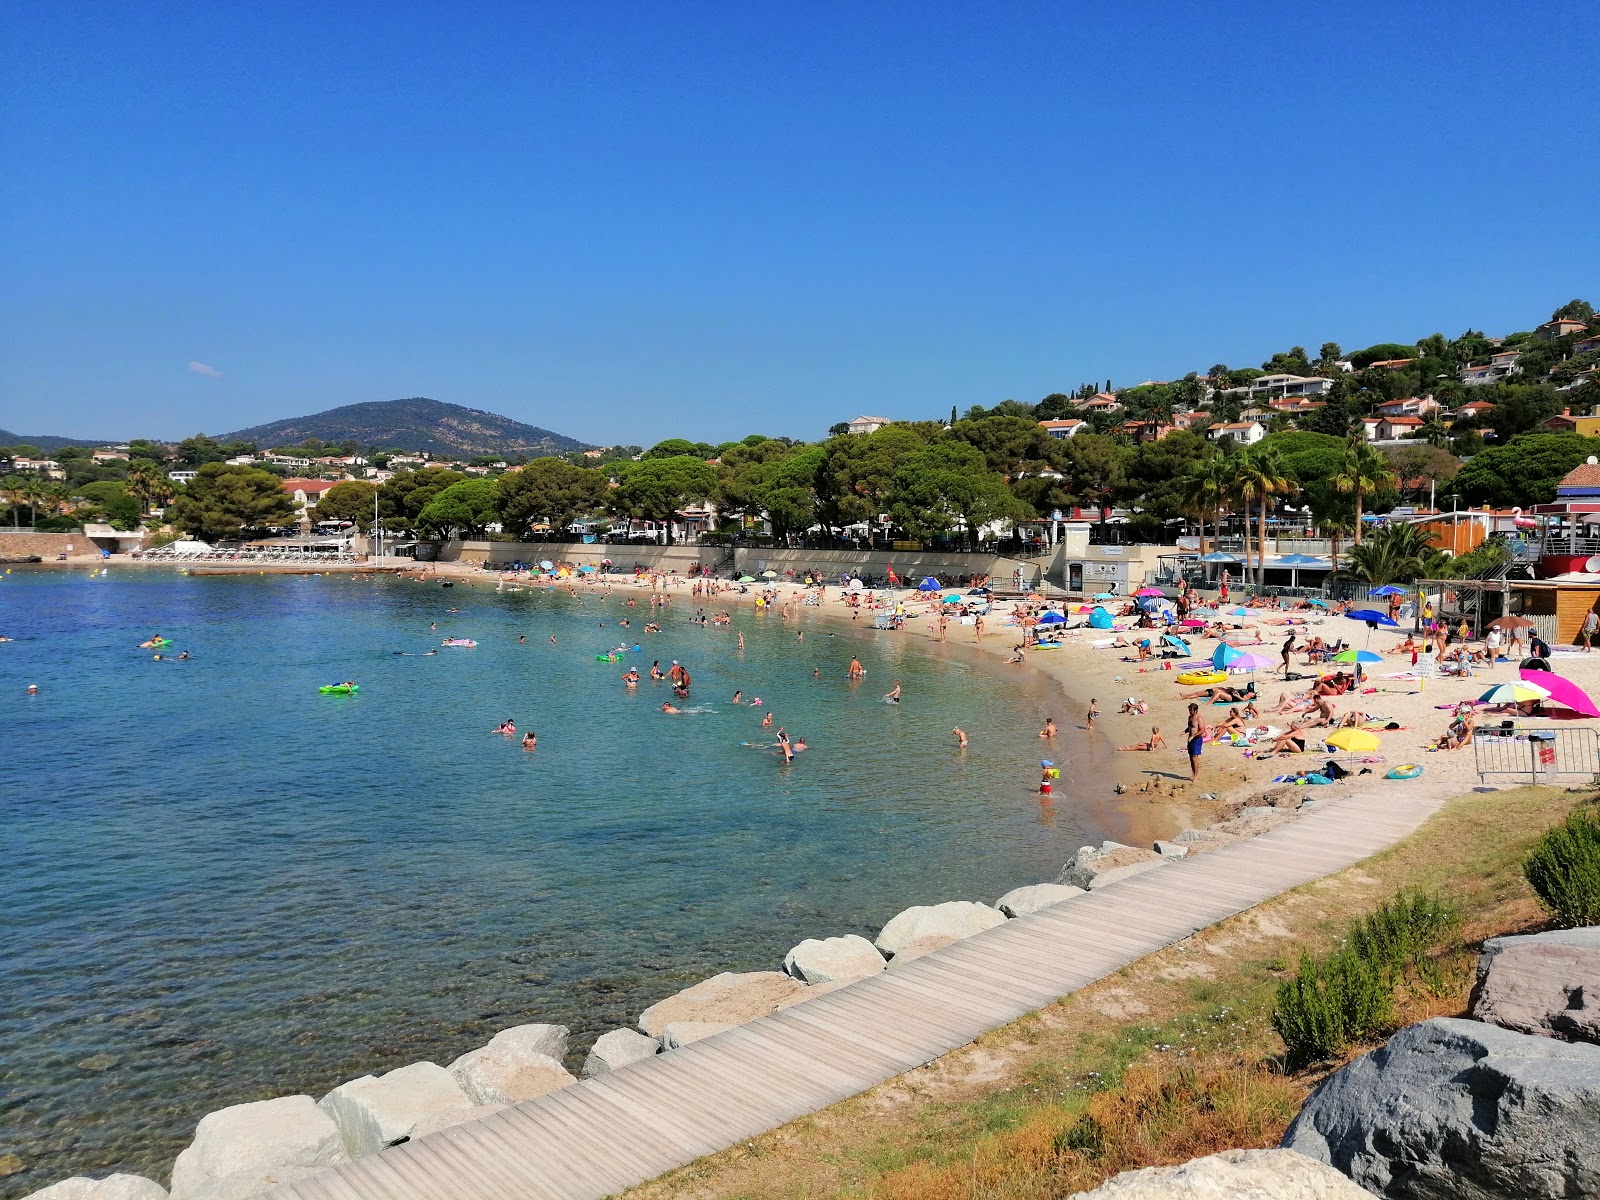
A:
[1292,741]
[1222,694]
[1156,741]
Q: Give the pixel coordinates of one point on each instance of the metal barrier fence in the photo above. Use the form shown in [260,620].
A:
[1538,751]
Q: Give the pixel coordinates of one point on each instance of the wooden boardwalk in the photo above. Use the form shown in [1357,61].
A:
[602,1136]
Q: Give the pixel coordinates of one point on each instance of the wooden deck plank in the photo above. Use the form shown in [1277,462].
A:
[603,1135]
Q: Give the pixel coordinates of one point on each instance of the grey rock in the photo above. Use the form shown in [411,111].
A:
[919,948]
[247,1148]
[446,1117]
[812,992]
[684,1033]
[1232,1175]
[1459,1110]
[112,1187]
[617,1049]
[517,1064]
[731,998]
[1544,983]
[381,1110]
[1172,849]
[1019,902]
[955,919]
[1187,836]
[827,960]
[1108,859]
[1107,878]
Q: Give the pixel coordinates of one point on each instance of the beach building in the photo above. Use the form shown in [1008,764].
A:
[869,424]
[1392,429]
[182,476]
[1391,364]
[48,467]
[1411,406]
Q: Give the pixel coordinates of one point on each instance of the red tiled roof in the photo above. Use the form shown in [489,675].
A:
[311,485]
[1582,475]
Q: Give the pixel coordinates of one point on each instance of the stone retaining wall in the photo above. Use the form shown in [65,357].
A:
[46,545]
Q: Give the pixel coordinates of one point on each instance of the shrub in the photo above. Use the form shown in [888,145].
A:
[1349,995]
[1564,869]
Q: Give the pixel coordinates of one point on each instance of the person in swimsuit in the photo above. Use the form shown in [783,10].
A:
[1293,741]
[666,707]
[1049,730]
[1155,740]
[631,677]
[530,740]
[893,696]
[1094,711]
[766,721]
[961,738]
[856,670]
[1194,734]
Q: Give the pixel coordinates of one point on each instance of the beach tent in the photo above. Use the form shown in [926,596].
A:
[930,584]
[1224,656]
[1099,619]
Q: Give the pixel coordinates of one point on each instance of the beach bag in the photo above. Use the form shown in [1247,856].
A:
[1334,771]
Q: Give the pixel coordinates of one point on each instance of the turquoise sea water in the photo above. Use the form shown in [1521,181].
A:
[219,885]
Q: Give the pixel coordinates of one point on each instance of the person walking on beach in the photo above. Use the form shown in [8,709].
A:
[1194,734]
[1094,711]
[1591,626]
[1287,649]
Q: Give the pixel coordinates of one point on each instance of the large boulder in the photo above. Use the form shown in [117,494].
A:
[685,1033]
[731,998]
[1232,1175]
[376,1111]
[1098,866]
[922,946]
[1459,1110]
[1545,983]
[112,1187]
[617,1049]
[1019,902]
[828,960]
[953,920]
[517,1064]
[248,1148]
[444,1118]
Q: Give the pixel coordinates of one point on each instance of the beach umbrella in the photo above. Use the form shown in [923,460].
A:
[1317,603]
[952,598]
[1353,740]
[1387,589]
[1250,662]
[1299,560]
[1191,623]
[1372,617]
[1052,618]
[769,574]
[1177,643]
[1104,596]
[1149,592]
[747,579]
[978,591]
[1241,612]
[1357,656]
[1562,690]
[546,565]
[930,584]
[586,569]
[1511,622]
[1224,656]
[1514,693]
[1217,556]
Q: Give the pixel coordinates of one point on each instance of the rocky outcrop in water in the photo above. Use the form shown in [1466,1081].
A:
[731,998]
[517,1064]
[1544,983]
[829,960]
[1461,1110]
[1232,1175]
[1019,902]
[381,1110]
[951,921]
[112,1187]
[243,1150]
[617,1049]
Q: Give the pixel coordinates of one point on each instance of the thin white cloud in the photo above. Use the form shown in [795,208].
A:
[200,368]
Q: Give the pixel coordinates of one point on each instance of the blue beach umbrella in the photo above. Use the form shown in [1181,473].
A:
[1357,656]
[1052,618]
[1299,560]
[1177,643]
[1387,589]
[1317,603]
[1217,556]
[1104,596]
[1372,617]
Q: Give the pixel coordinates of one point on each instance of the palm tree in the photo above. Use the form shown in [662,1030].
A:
[148,485]
[1259,475]
[1330,515]
[1393,554]
[1204,487]
[15,490]
[1363,471]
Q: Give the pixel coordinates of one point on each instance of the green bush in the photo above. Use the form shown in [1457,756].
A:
[1564,869]
[1349,995]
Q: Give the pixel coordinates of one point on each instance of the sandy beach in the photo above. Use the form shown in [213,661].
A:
[1152,791]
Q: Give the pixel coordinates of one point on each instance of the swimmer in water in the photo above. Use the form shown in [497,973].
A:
[766,721]
[741,641]
[735,699]
[655,671]
[508,727]
[631,677]
[530,740]
[1049,730]
[893,696]
[183,654]
[961,738]
[800,744]
[856,670]
[33,689]
[666,707]
[552,639]
[522,639]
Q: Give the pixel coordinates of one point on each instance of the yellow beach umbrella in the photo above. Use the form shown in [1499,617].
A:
[1353,740]
[1513,693]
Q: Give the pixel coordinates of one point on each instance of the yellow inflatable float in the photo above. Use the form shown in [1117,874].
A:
[1202,678]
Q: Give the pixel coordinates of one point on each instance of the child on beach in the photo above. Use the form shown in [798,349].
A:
[1094,711]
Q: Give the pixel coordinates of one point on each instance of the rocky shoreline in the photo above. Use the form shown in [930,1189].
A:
[246,1149]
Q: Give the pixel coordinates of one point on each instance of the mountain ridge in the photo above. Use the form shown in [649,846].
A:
[47,442]
[415,423]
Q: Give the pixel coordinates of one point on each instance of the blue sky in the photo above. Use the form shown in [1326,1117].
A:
[632,221]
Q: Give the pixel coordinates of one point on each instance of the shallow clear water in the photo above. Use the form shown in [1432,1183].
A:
[218,885]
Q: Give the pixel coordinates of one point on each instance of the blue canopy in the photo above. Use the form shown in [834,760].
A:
[930,584]
[1299,560]
[1372,617]
[1387,589]
[1052,618]
[1225,655]
[1099,619]
[1177,642]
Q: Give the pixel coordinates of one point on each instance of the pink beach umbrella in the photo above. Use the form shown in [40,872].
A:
[1149,592]
[1563,692]
[1250,662]
[1191,623]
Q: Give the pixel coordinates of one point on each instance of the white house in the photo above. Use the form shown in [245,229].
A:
[1100,402]
[1283,385]
[181,476]
[1246,433]
[869,424]
[1497,368]
[1063,429]
[1411,406]
[307,492]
